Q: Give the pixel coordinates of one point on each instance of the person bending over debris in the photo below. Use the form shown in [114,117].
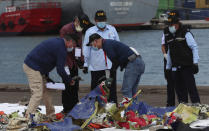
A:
[37,65]
[125,57]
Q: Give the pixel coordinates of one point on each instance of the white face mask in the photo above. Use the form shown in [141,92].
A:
[172,29]
[70,49]
[78,28]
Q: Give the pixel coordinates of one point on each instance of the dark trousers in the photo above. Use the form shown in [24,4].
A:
[70,95]
[185,84]
[96,75]
[113,88]
[170,86]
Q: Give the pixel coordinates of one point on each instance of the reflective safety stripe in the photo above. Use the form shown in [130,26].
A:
[180,39]
[170,40]
[166,34]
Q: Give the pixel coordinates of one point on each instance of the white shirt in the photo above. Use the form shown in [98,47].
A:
[95,60]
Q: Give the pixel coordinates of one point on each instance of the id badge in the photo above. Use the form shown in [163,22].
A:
[77,52]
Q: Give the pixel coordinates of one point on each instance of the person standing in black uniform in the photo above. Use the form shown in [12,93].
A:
[182,58]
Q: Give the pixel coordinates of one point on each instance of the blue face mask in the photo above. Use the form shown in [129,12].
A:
[101,24]
[70,49]
[94,48]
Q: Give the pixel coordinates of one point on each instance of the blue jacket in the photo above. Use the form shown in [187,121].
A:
[116,51]
[47,55]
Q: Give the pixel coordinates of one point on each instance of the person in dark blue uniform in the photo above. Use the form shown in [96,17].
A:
[125,57]
[182,58]
[39,62]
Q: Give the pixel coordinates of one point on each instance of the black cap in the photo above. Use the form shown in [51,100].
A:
[84,20]
[100,15]
[93,37]
[173,17]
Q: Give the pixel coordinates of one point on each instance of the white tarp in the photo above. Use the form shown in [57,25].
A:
[9,108]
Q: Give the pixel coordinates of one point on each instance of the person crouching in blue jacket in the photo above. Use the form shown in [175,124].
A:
[125,57]
[37,65]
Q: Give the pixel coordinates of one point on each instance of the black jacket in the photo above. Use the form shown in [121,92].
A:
[180,53]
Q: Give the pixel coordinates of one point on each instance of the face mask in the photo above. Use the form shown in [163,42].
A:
[95,48]
[70,49]
[101,24]
[78,28]
[172,29]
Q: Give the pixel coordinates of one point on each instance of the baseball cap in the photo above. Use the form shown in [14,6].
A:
[84,20]
[173,17]
[93,37]
[100,15]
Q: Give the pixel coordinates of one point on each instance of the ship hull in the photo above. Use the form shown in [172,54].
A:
[38,20]
[122,12]
[119,12]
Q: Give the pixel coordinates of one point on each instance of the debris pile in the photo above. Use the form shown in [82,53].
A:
[93,112]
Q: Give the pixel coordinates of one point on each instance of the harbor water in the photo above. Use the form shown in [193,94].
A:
[13,50]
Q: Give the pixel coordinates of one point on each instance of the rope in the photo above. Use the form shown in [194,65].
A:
[92,116]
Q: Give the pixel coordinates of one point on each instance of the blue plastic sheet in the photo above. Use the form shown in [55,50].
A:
[65,125]
[85,108]
[143,108]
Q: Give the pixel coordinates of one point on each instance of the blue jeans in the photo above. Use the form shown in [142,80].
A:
[131,78]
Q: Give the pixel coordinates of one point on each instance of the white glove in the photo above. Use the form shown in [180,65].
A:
[107,73]
[165,56]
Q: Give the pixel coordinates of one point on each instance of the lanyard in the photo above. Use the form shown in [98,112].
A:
[105,55]
[105,58]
